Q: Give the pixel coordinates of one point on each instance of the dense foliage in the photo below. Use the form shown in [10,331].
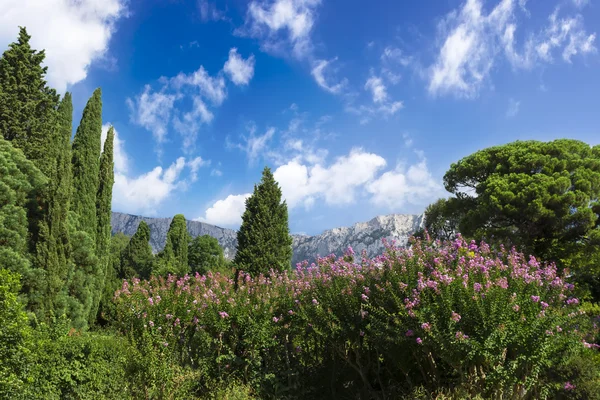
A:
[205,254]
[174,257]
[434,316]
[264,241]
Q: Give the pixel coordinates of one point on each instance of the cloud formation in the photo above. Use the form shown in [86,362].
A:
[77,31]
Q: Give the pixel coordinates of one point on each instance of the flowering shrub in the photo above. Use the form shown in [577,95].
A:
[436,315]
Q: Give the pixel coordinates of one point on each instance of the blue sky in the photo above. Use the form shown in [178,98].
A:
[358,107]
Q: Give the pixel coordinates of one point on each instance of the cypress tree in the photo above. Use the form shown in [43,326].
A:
[103,208]
[137,257]
[86,164]
[20,181]
[264,241]
[27,104]
[174,258]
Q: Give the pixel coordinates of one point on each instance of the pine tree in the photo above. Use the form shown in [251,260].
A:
[86,164]
[264,241]
[103,208]
[137,257]
[174,257]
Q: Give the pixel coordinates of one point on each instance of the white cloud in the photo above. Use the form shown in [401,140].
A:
[240,71]
[189,126]
[337,183]
[212,88]
[473,41]
[581,3]
[254,145]
[280,23]
[414,185]
[209,11]
[144,193]
[73,33]
[513,108]
[393,55]
[152,110]
[319,71]
[226,212]
[377,88]
[194,165]
[120,158]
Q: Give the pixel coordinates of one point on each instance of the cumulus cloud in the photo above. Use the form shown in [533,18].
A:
[240,71]
[212,88]
[73,33]
[152,110]
[195,164]
[415,185]
[226,212]
[336,183]
[473,41]
[377,88]
[189,125]
[319,72]
[282,24]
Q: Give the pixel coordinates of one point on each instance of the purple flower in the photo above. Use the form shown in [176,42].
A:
[535,299]
[572,300]
[290,312]
[169,316]
[477,287]
[275,319]
[315,302]
[419,340]
[455,317]
[516,308]
[426,326]
[569,386]
[544,304]
[223,314]
[151,301]
[364,297]
[461,336]
[151,323]
[409,333]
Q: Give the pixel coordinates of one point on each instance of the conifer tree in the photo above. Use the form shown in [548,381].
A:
[103,209]
[137,257]
[20,181]
[264,241]
[27,104]
[174,257]
[86,164]
[205,254]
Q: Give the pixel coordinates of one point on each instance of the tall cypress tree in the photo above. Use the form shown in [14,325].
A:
[86,164]
[264,241]
[27,104]
[103,208]
[137,257]
[28,119]
[174,257]
[83,220]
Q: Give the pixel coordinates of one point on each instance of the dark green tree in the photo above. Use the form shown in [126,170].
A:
[542,197]
[118,244]
[264,241]
[103,209]
[27,104]
[173,259]
[205,254]
[137,260]
[20,182]
[442,219]
[86,164]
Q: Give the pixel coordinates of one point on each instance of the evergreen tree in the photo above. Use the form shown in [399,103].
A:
[27,104]
[137,257]
[264,241]
[20,182]
[205,254]
[103,208]
[118,244]
[174,257]
[86,164]
[60,191]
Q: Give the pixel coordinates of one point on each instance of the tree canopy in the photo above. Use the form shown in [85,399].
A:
[205,254]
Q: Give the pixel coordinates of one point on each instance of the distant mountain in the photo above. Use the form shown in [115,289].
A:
[363,235]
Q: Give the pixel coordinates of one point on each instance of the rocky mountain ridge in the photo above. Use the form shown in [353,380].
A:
[361,236]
